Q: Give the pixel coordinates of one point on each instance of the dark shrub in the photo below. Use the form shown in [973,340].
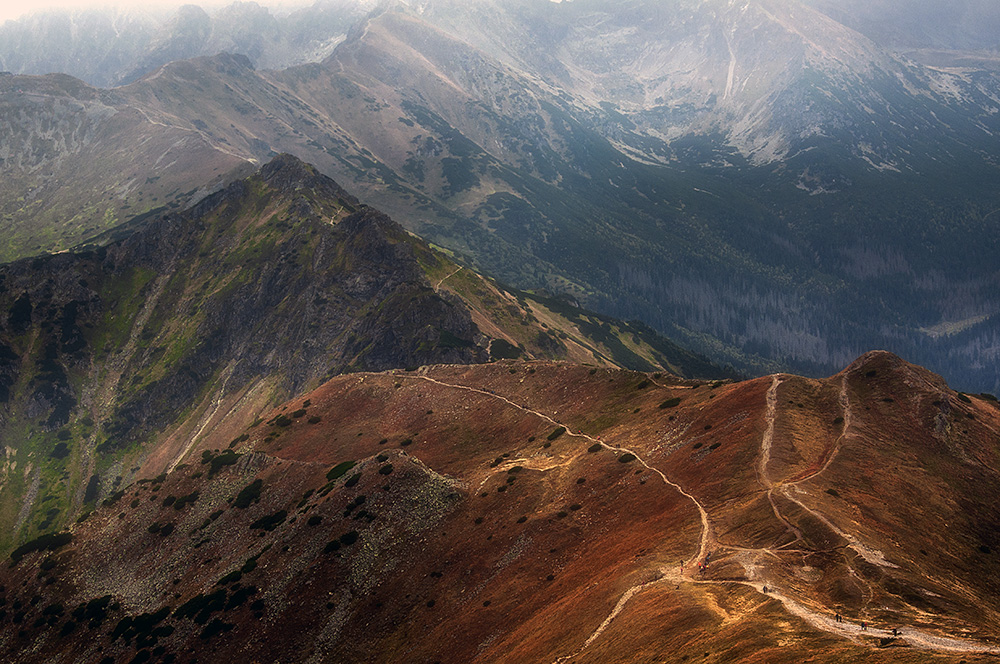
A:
[671,403]
[227,458]
[315,520]
[248,495]
[282,421]
[299,413]
[385,470]
[315,419]
[596,447]
[215,627]
[340,470]
[60,451]
[349,538]
[352,480]
[201,607]
[232,577]
[113,498]
[626,458]
[556,433]
[49,541]
[269,522]
[183,501]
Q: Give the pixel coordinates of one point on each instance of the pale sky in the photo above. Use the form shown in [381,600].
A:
[10,9]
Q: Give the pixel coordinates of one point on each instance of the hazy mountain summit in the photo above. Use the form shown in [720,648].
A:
[106,47]
[757,179]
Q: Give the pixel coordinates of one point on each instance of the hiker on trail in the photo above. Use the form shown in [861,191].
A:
[765,590]
[895,632]
[864,626]
[837,618]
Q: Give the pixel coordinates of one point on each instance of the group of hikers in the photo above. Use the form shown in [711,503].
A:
[703,566]
[864,624]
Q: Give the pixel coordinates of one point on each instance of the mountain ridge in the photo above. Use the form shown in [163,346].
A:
[116,360]
[863,235]
[382,516]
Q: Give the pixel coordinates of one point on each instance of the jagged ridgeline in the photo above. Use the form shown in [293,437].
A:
[262,289]
[116,360]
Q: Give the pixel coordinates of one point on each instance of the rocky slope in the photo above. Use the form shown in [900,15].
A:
[546,512]
[117,359]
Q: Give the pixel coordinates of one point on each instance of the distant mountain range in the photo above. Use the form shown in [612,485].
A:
[756,180]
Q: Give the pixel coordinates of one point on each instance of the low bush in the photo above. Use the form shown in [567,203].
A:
[596,447]
[626,458]
[556,433]
[184,501]
[215,627]
[49,542]
[269,522]
[248,495]
[671,403]
[218,462]
[340,470]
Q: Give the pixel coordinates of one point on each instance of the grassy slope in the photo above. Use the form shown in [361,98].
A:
[478,541]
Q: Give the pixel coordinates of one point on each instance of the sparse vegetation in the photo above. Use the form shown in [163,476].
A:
[672,402]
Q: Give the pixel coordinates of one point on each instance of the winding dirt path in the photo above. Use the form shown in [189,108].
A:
[706,530]
[818,620]
[705,540]
[446,278]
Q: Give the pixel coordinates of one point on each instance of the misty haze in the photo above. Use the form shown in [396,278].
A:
[501,331]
